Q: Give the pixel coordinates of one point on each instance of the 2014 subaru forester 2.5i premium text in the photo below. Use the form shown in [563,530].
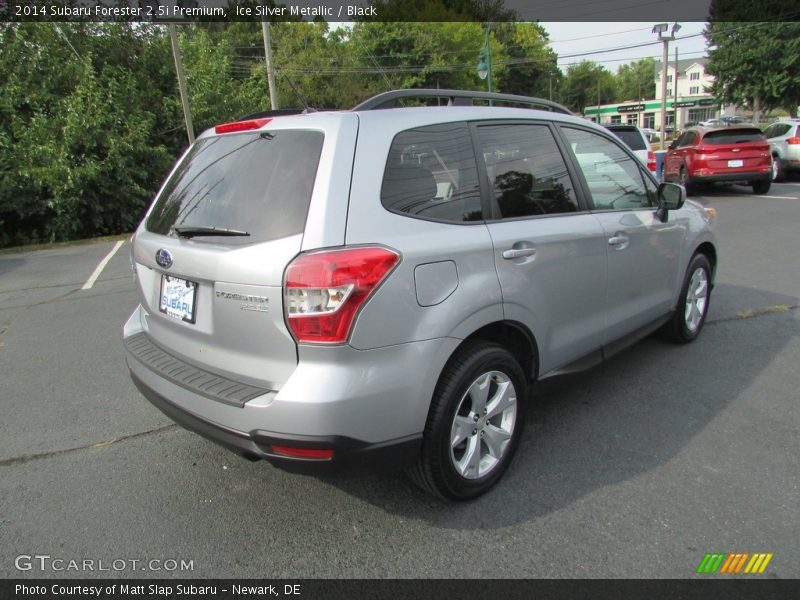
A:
[329,290]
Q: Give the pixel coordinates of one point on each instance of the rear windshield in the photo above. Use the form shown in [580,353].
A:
[733,136]
[259,183]
[632,138]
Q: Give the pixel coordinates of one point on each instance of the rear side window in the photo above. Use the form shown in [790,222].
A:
[632,138]
[526,171]
[777,130]
[732,136]
[431,173]
[258,183]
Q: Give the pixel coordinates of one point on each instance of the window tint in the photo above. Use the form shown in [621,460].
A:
[777,130]
[687,139]
[632,138]
[526,172]
[614,178]
[431,172]
[732,136]
[259,183]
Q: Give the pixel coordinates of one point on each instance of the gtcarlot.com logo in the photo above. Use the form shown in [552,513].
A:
[45,562]
[734,563]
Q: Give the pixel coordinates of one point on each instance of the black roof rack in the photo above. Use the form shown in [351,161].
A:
[459,98]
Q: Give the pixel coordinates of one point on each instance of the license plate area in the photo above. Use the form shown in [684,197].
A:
[735,163]
[177,298]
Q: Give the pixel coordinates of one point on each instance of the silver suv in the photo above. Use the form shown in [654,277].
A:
[382,286]
[784,144]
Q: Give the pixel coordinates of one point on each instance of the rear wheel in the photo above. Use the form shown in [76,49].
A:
[761,187]
[690,314]
[474,424]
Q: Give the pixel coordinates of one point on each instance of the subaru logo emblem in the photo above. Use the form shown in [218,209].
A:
[164,258]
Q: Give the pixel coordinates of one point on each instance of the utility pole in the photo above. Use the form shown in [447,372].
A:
[675,81]
[176,51]
[598,98]
[660,29]
[273,93]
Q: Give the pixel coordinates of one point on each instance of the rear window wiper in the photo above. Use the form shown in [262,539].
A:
[189,231]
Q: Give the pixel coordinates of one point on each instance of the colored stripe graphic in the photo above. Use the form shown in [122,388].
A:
[732,563]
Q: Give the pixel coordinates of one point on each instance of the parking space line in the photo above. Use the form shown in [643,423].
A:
[782,197]
[99,269]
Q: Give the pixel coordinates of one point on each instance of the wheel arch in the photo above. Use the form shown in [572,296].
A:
[515,337]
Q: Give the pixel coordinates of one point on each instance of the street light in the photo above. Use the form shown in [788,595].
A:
[661,30]
[485,61]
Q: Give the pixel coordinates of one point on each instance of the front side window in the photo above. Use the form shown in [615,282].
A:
[614,179]
[432,173]
[526,172]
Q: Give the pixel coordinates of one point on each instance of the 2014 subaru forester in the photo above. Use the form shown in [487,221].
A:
[382,286]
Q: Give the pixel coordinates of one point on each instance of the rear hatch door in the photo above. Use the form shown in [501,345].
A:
[735,149]
[210,255]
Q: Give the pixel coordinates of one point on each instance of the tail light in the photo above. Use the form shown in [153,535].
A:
[651,160]
[794,141]
[241,125]
[323,291]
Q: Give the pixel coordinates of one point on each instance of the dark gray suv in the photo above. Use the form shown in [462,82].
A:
[382,286]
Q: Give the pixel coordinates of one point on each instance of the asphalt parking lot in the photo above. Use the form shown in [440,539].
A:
[634,469]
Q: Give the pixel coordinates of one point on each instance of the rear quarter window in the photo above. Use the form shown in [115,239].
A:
[260,183]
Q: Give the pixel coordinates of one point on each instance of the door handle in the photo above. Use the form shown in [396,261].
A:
[513,253]
[618,239]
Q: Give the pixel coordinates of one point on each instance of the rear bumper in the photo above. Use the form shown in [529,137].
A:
[349,455]
[732,177]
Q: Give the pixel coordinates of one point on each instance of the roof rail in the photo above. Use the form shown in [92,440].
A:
[458,98]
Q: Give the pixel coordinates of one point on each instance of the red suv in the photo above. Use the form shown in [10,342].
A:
[727,154]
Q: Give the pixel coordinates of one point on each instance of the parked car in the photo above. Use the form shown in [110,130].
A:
[330,290]
[737,154]
[712,123]
[784,143]
[636,140]
[734,120]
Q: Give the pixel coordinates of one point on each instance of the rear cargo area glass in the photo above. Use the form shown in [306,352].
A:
[259,183]
[733,136]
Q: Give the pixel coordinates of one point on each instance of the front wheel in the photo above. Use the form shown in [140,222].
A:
[777,169]
[474,424]
[690,314]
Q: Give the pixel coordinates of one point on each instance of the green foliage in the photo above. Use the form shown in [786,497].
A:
[754,61]
[585,83]
[635,81]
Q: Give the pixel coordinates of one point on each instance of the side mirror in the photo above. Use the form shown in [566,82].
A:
[671,196]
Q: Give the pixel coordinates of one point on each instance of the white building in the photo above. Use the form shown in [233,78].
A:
[694,104]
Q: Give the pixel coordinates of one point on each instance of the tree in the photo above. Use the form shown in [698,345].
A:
[754,63]
[583,84]
[635,81]
[532,64]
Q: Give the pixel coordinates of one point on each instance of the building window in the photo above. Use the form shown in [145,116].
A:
[616,119]
[669,78]
[649,120]
[633,119]
[669,91]
[694,76]
[696,115]
[694,90]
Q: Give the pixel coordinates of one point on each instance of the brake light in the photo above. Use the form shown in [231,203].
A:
[317,453]
[323,291]
[793,140]
[241,125]
[651,160]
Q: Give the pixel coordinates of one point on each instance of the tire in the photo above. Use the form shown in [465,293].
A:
[683,179]
[761,187]
[777,170]
[486,442]
[693,303]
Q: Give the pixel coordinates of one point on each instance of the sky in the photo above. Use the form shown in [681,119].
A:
[591,39]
